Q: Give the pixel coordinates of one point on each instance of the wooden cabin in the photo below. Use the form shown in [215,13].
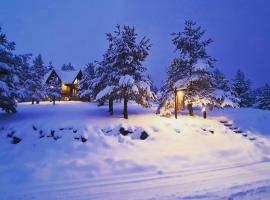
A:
[69,81]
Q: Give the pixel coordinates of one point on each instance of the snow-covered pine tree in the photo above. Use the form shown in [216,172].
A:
[39,67]
[68,67]
[123,70]
[85,88]
[53,89]
[222,95]
[190,70]
[263,98]
[34,84]
[8,79]
[241,88]
[50,67]
[105,84]
[23,74]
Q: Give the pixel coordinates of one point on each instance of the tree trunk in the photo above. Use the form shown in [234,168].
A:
[33,101]
[111,106]
[190,109]
[37,101]
[125,108]
[53,101]
[175,103]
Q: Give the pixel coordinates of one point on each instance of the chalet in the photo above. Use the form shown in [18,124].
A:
[69,82]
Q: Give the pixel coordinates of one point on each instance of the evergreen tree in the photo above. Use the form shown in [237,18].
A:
[68,67]
[190,70]
[53,89]
[122,70]
[241,88]
[8,78]
[85,89]
[50,67]
[23,74]
[34,84]
[263,97]
[39,67]
[221,95]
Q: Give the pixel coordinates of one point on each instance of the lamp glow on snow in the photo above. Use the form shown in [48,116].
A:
[51,86]
[204,112]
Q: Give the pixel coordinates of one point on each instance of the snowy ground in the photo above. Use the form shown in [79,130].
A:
[187,158]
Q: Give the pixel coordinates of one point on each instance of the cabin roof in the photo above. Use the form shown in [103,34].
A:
[66,77]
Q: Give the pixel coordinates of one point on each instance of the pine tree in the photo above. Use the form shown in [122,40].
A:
[241,88]
[39,67]
[190,70]
[34,84]
[8,79]
[85,89]
[23,74]
[53,89]
[50,67]
[263,97]
[221,95]
[122,70]
[68,67]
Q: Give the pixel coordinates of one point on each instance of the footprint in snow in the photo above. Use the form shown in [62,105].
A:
[177,130]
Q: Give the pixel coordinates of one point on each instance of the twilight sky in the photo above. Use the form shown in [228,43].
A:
[74,31]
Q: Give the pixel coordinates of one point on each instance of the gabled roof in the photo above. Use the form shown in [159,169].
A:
[66,77]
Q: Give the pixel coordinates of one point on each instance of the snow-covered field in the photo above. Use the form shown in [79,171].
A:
[187,158]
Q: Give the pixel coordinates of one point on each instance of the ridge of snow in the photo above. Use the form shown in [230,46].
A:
[105,92]
[126,80]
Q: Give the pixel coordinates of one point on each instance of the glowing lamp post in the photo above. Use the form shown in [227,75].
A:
[204,112]
[179,96]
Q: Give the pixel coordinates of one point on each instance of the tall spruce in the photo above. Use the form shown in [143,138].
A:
[222,95]
[241,88]
[190,70]
[122,69]
[50,66]
[67,67]
[39,67]
[263,98]
[85,89]
[8,77]
[34,84]
[53,89]
[23,74]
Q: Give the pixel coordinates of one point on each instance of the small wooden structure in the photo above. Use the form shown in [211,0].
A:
[69,81]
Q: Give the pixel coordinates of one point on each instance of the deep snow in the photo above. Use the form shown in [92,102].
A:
[189,157]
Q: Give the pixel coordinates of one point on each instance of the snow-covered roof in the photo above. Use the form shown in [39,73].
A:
[67,77]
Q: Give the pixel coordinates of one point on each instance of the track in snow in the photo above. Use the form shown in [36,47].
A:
[214,182]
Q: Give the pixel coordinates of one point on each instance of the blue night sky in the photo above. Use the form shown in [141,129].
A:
[74,31]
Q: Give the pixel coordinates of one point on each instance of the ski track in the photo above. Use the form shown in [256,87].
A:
[187,184]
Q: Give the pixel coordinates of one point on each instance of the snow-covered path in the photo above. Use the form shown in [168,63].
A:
[188,158]
[243,181]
